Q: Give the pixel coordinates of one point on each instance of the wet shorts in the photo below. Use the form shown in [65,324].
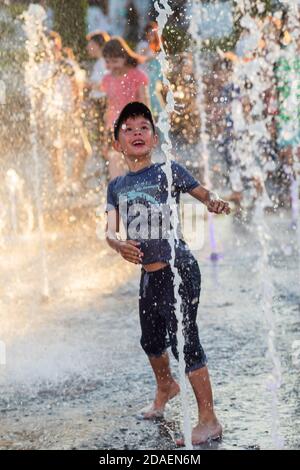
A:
[157,312]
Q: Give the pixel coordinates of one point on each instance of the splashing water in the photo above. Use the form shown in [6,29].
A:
[12,184]
[259,70]
[292,128]
[196,14]
[164,12]
[55,350]
[18,202]
[274,380]
[33,27]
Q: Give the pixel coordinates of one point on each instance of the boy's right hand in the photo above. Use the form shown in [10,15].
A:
[129,250]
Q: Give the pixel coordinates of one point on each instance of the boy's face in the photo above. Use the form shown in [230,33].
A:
[136,137]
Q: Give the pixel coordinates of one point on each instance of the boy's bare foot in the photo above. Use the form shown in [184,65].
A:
[157,408]
[203,432]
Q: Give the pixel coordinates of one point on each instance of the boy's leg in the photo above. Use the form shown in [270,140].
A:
[200,382]
[208,426]
[167,387]
[153,340]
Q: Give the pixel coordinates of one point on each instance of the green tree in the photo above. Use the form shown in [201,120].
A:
[70,23]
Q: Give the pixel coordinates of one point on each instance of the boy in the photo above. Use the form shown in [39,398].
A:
[145,186]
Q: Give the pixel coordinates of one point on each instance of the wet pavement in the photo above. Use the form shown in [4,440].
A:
[76,376]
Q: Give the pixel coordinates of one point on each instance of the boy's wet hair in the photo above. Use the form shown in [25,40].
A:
[133,110]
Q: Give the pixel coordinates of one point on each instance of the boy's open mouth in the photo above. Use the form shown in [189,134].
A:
[138,143]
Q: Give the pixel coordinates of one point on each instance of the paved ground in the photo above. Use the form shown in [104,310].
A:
[76,377]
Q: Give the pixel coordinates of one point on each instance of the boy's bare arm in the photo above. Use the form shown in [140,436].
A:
[128,249]
[211,200]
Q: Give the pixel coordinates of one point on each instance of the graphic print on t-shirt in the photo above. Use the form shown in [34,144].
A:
[139,194]
[142,201]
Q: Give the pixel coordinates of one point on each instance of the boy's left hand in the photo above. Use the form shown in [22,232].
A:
[218,206]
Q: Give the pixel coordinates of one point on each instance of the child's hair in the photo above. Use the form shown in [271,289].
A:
[152,27]
[99,37]
[118,48]
[133,109]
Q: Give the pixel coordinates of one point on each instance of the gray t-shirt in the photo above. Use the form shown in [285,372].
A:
[141,198]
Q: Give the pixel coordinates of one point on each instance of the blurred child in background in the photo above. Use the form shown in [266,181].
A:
[149,47]
[123,83]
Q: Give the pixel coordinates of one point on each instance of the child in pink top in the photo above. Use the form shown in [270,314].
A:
[124,83]
[121,90]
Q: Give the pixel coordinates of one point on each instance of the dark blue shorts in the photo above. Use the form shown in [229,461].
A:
[157,312]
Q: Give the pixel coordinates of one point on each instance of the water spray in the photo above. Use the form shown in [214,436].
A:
[260,73]
[203,149]
[34,29]
[164,11]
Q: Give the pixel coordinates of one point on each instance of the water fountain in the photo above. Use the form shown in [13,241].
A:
[203,144]
[34,29]
[57,363]
[291,129]
[20,214]
[259,71]
[164,12]
[274,380]
[12,184]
